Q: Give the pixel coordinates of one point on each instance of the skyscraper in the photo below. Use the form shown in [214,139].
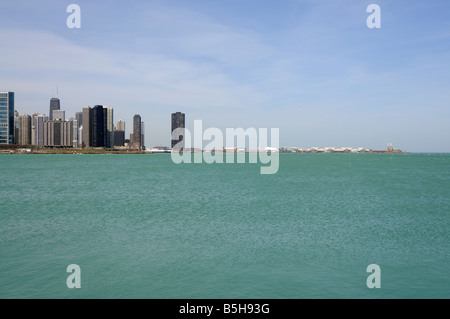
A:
[98,127]
[74,131]
[87,127]
[178,121]
[59,115]
[108,121]
[24,129]
[39,120]
[80,136]
[58,133]
[16,127]
[54,105]
[6,117]
[119,138]
[33,128]
[142,136]
[136,142]
[121,125]
[79,118]
[119,134]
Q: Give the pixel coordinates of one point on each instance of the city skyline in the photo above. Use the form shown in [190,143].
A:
[102,117]
[312,69]
[38,130]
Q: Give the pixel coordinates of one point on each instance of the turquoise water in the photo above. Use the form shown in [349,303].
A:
[140,226]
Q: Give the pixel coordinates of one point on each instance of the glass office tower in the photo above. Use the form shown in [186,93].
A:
[6,117]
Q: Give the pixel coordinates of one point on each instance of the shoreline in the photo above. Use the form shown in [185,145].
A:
[125,152]
[69,152]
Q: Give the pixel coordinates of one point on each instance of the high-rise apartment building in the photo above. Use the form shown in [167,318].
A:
[79,118]
[87,127]
[6,117]
[142,136]
[33,128]
[39,120]
[54,105]
[16,127]
[136,142]
[178,121]
[58,133]
[74,131]
[24,129]
[108,121]
[80,136]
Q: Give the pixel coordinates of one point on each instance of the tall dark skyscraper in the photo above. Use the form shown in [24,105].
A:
[54,105]
[6,117]
[137,132]
[178,121]
[98,126]
[119,138]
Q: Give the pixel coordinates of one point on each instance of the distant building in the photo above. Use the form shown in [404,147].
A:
[74,131]
[119,138]
[24,129]
[108,121]
[98,127]
[59,115]
[6,117]
[120,125]
[58,133]
[79,118]
[33,128]
[16,127]
[87,127]
[142,136]
[54,105]
[178,121]
[80,136]
[136,139]
[39,120]
[119,134]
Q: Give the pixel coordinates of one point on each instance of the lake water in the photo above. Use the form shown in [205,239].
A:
[140,226]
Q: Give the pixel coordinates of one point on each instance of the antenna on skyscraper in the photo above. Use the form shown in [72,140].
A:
[57,91]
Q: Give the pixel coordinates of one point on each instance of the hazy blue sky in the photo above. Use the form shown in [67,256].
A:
[311,68]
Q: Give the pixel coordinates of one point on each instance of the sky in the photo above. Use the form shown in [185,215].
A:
[311,68]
